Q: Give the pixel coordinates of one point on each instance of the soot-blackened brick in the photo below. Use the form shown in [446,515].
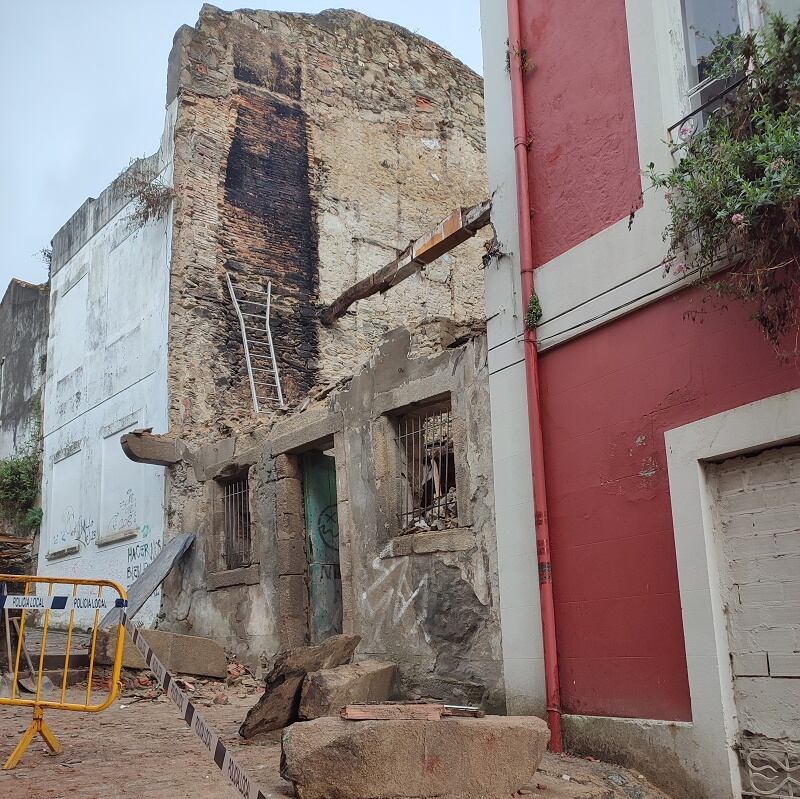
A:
[269,228]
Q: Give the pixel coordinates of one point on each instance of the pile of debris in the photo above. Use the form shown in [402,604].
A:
[310,682]
[138,685]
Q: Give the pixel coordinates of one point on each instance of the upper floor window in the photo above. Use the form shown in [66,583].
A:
[705,22]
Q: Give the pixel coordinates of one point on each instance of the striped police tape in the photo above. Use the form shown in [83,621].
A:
[220,753]
[36,602]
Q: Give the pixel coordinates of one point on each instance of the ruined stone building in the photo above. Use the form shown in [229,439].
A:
[345,483]
[23,347]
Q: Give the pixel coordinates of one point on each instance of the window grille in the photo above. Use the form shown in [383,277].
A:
[235,498]
[428,474]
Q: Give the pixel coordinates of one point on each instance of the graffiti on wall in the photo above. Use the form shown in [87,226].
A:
[74,529]
[141,555]
[396,598]
[125,517]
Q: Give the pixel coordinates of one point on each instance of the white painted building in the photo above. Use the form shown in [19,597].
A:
[106,374]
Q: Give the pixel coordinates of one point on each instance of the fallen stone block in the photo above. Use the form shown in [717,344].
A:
[456,758]
[181,654]
[326,692]
[285,674]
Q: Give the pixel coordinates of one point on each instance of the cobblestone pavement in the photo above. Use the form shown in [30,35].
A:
[144,750]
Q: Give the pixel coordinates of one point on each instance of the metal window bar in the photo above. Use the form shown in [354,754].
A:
[236,519]
[428,480]
[255,340]
[771,774]
[729,88]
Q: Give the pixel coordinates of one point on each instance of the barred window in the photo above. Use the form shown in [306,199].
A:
[234,496]
[427,473]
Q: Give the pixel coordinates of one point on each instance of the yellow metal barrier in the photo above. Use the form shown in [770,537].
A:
[72,595]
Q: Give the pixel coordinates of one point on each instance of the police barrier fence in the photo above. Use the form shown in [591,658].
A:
[35,607]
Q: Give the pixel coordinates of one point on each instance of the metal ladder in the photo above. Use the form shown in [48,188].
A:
[262,368]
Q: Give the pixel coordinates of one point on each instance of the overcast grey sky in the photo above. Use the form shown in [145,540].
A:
[84,83]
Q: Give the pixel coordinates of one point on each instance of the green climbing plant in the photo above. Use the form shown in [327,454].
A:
[19,481]
[534,313]
[734,194]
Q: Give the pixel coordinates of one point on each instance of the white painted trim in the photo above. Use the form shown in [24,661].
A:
[619,269]
[517,571]
[758,425]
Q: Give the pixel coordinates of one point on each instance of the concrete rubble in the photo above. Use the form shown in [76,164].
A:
[459,758]
[286,672]
[327,691]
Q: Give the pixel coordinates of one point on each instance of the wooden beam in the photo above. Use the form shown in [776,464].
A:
[456,228]
[144,447]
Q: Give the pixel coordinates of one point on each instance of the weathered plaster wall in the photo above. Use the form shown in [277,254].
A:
[106,374]
[308,150]
[238,608]
[23,350]
[427,600]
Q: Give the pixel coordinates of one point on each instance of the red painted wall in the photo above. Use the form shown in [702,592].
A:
[584,162]
[608,398]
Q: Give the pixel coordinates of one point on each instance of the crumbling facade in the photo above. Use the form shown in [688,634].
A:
[23,355]
[330,548]
[301,153]
[309,150]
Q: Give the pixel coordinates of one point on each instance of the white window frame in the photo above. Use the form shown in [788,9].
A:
[750,18]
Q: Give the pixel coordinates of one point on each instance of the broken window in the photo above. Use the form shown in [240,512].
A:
[427,473]
[234,496]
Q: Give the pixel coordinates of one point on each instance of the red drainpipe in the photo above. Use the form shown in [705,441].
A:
[542,521]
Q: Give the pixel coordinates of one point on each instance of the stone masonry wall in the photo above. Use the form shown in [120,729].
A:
[309,149]
[427,600]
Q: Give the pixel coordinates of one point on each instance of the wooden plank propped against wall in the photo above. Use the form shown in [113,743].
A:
[456,228]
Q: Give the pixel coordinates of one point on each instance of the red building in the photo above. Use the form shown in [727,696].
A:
[663,443]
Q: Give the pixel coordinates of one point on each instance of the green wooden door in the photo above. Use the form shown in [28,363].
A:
[322,546]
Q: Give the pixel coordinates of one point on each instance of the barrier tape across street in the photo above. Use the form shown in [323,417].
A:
[219,752]
[35,602]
